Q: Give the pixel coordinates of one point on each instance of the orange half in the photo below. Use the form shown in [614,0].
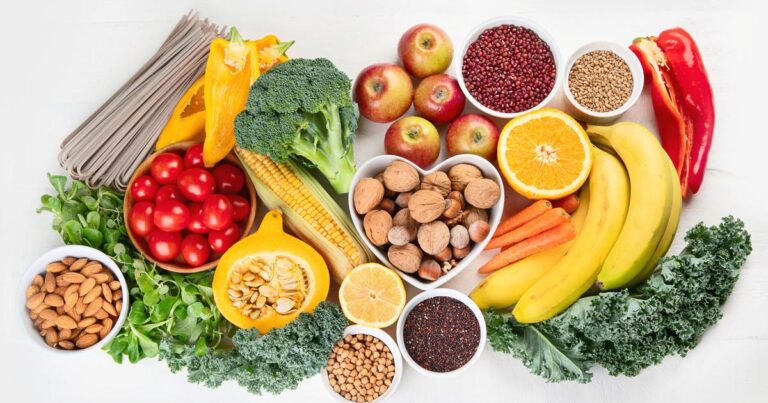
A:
[544,154]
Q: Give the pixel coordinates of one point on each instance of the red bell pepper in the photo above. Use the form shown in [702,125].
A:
[682,101]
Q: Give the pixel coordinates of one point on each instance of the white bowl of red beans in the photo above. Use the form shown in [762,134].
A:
[509,66]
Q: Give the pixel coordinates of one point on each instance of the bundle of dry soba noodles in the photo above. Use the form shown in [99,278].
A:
[114,140]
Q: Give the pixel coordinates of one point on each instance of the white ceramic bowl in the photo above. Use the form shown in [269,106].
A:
[377,165]
[521,22]
[440,292]
[386,339]
[638,78]
[38,267]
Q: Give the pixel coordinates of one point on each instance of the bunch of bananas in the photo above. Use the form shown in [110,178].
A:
[626,221]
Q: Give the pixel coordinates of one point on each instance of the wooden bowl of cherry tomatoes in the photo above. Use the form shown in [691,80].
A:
[183,216]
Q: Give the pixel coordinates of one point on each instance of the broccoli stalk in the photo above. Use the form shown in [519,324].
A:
[301,110]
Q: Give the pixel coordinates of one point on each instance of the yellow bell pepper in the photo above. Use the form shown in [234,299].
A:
[187,122]
[268,278]
[271,51]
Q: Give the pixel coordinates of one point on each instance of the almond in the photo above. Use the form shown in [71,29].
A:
[101,277]
[35,300]
[45,324]
[33,315]
[55,267]
[48,314]
[79,306]
[31,290]
[41,307]
[109,308]
[73,277]
[61,282]
[51,338]
[92,295]
[66,344]
[119,305]
[76,316]
[93,307]
[92,268]
[49,284]
[54,300]
[86,340]
[60,290]
[75,334]
[101,314]
[70,301]
[86,286]
[78,264]
[114,285]
[86,322]
[39,323]
[60,309]
[106,326]
[38,281]
[72,288]
[93,328]
[106,292]
[117,295]
[65,334]
[68,260]
[66,322]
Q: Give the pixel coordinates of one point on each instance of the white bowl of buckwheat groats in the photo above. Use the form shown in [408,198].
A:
[364,366]
[602,81]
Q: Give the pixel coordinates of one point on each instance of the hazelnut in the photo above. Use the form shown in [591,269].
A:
[402,199]
[444,255]
[462,174]
[482,193]
[437,181]
[452,209]
[433,237]
[387,205]
[400,235]
[426,206]
[456,195]
[376,225]
[407,258]
[459,237]
[400,176]
[474,214]
[403,218]
[367,195]
[478,230]
[461,253]
[430,270]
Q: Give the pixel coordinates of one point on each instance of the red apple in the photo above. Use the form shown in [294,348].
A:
[425,50]
[472,134]
[415,139]
[383,92]
[439,99]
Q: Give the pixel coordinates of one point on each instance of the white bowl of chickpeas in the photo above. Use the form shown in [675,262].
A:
[59,294]
[376,378]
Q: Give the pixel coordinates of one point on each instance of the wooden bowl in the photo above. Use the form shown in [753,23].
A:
[178,265]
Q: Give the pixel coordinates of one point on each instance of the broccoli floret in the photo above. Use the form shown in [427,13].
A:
[301,110]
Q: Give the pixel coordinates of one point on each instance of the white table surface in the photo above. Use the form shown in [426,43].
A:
[62,59]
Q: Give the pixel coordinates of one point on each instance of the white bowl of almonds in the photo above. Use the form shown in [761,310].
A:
[364,366]
[427,225]
[74,299]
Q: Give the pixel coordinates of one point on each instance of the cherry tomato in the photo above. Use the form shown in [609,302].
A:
[171,216]
[144,188]
[229,178]
[164,246]
[220,241]
[166,167]
[169,192]
[194,157]
[217,212]
[140,218]
[195,250]
[196,224]
[240,207]
[196,184]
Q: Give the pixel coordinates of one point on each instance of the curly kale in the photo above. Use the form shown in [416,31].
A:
[301,110]
[627,331]
[273,362]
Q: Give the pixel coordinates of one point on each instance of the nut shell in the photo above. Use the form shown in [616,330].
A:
[482,193]
[433,237]
[377,224]
[474,214]
[462,174]
[430,270]
[426,206]
[437,181]
[478,231]
[407,258]
[459,236]
[400,176]
[403,218]
[367,195]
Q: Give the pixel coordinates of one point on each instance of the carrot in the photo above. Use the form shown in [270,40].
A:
[568,203]
[549,219]
[543,241]
[523,216]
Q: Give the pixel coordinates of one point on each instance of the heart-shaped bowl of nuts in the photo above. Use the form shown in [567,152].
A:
[75,300]
[427,225]
[366,364]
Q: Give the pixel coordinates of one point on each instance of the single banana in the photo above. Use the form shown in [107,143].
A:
[504,287]
[575,273]
[669,232]
[650,200]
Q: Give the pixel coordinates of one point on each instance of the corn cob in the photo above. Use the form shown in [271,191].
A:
[310,212]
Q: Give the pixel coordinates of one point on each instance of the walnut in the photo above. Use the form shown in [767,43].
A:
[462,174]
[437,181]
[459,237]
[367,195]
[403,219]
[377,224]
[433,237]
[426,206]
[482,193]
[430,270]
[400,176]
[474,214]
[407,258]
[478,231]
[400,235]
